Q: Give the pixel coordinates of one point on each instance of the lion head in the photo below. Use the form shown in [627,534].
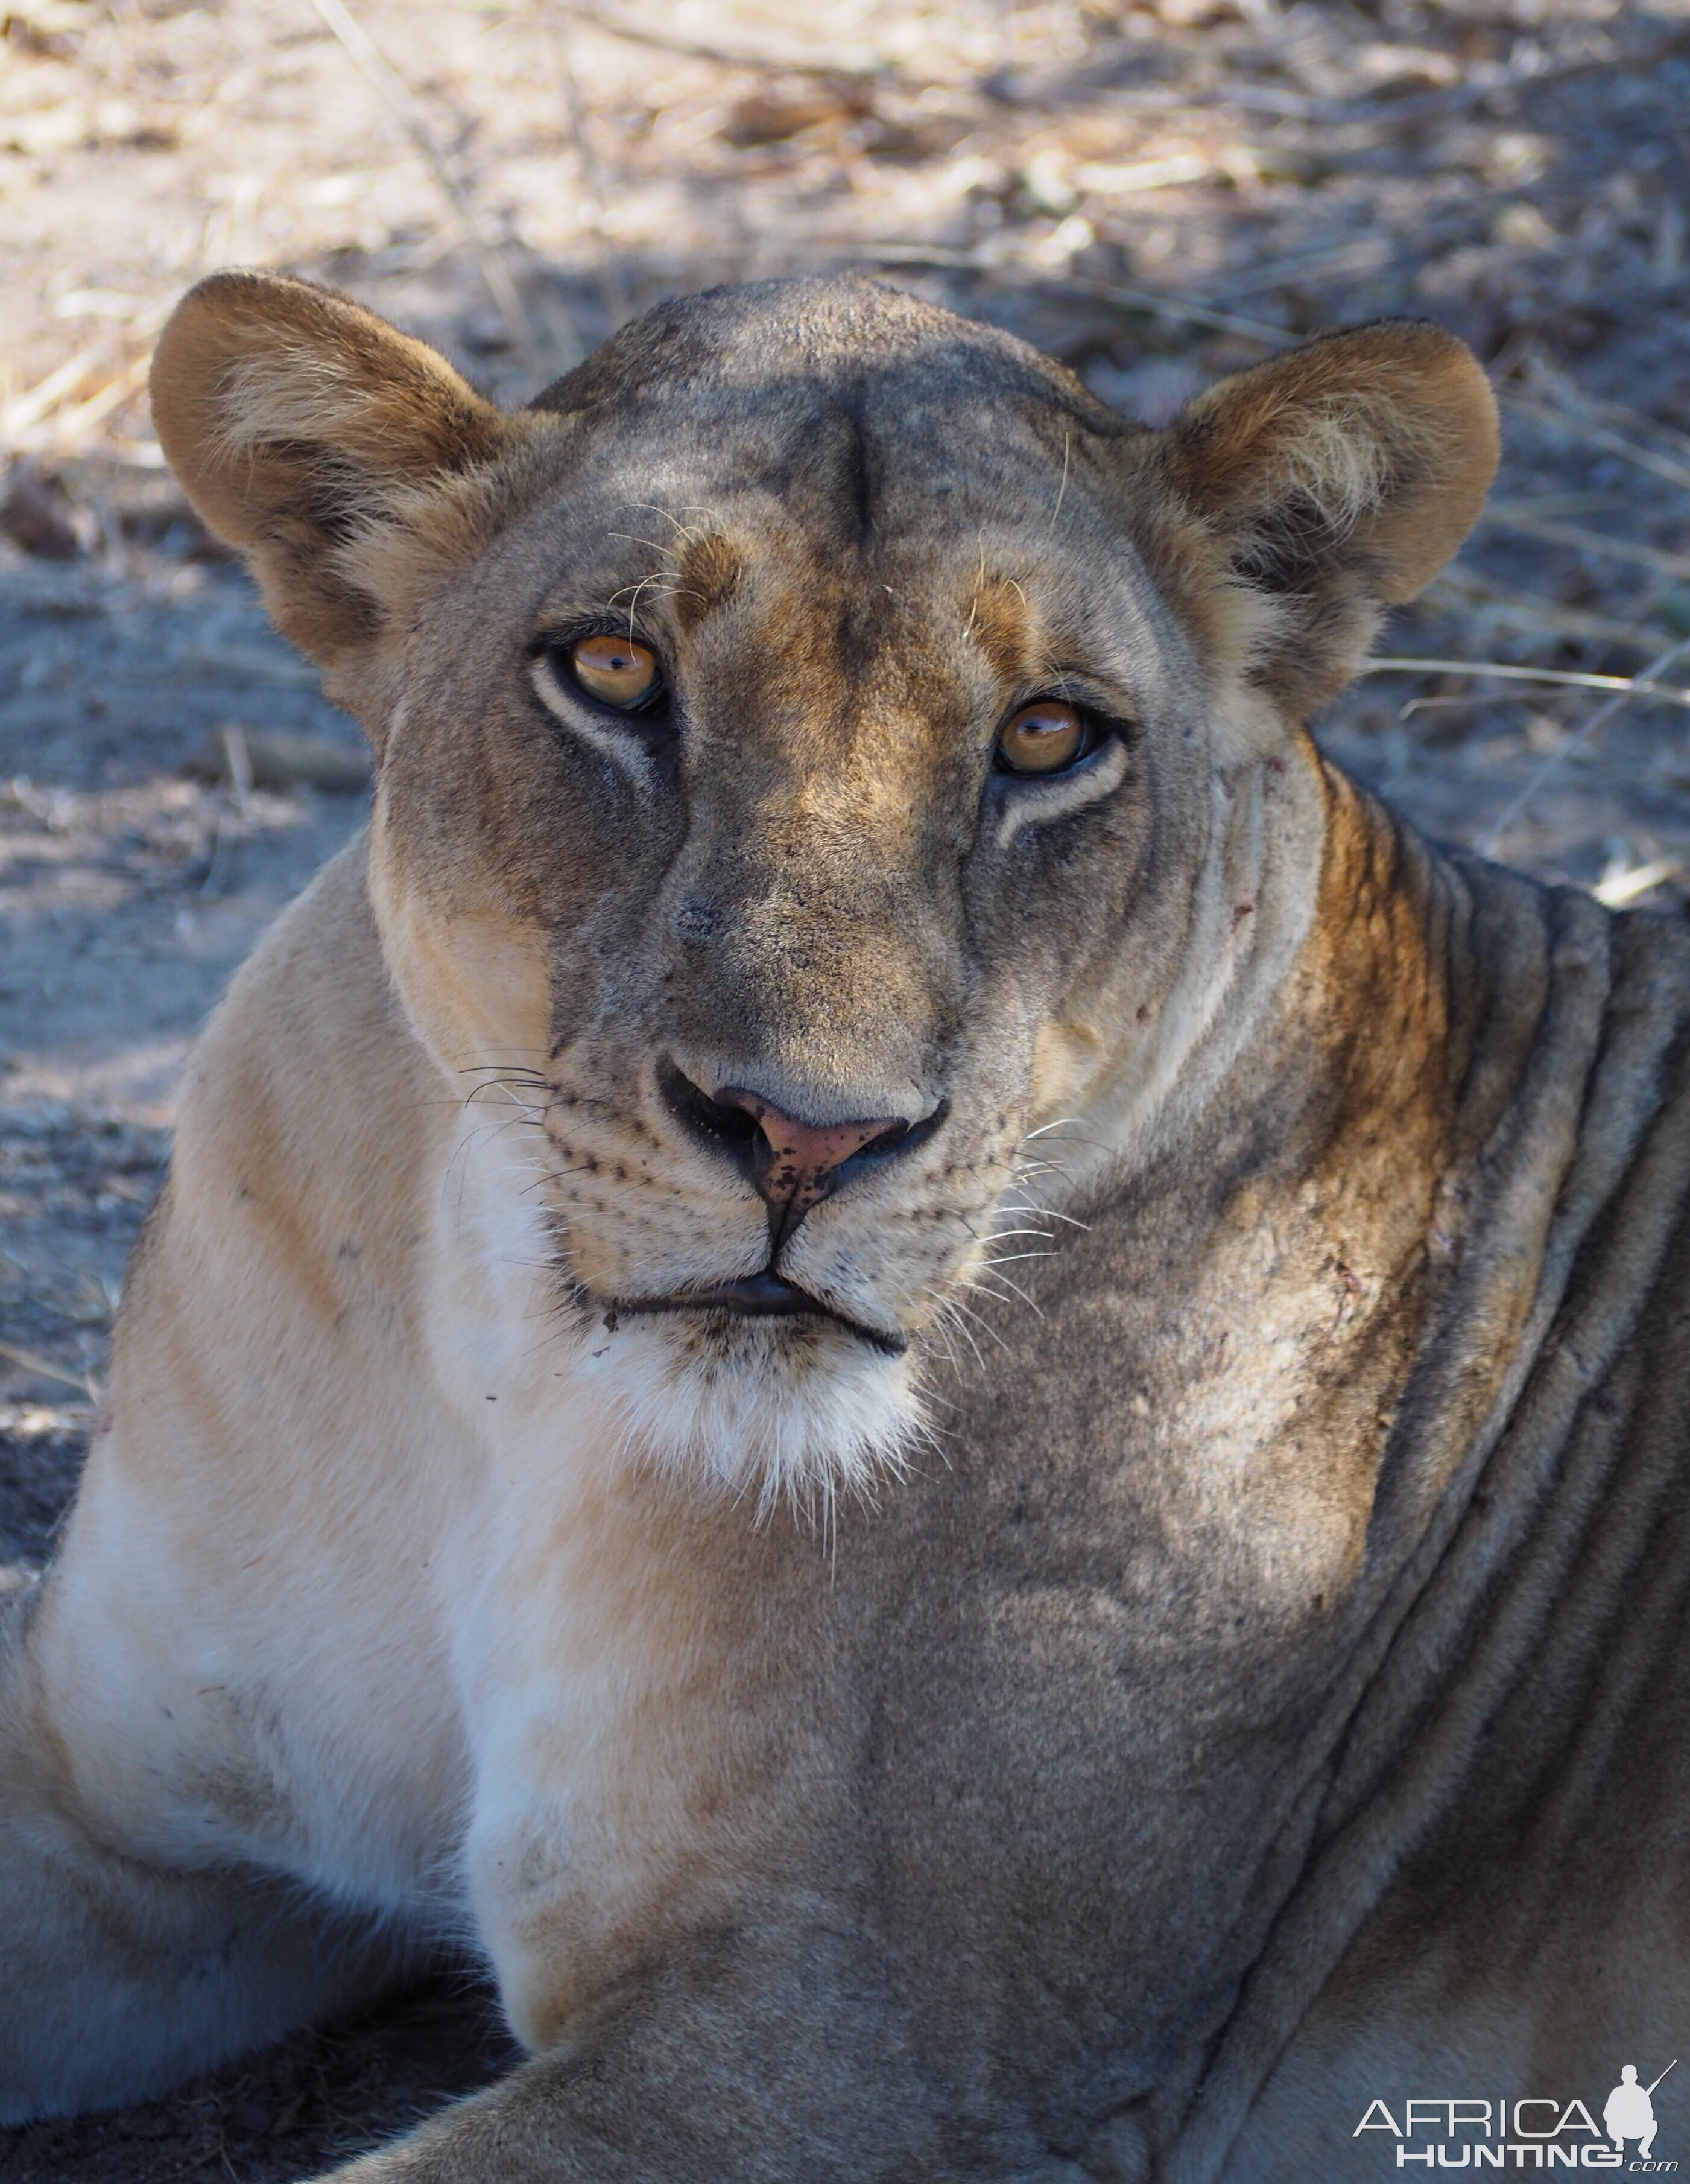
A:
[820,747]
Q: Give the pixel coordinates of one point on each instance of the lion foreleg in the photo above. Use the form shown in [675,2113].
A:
[766,2055]
[119,1978]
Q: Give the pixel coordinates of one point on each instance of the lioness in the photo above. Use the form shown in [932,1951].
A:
[888,1348]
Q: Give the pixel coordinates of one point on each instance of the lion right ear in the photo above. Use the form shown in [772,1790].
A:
[347,460]
[1330,484]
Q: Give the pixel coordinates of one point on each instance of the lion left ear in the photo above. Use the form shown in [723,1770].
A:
[1335,483]
[345,458]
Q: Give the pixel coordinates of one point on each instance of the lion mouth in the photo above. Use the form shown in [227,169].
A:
[767,1296]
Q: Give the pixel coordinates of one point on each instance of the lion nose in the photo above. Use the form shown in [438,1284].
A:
[793,1164]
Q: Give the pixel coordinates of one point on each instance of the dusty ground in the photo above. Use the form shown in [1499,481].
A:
[1157,193]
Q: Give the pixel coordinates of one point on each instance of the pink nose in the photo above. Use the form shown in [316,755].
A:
[797,1160]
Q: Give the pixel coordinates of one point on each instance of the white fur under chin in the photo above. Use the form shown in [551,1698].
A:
[780,1410]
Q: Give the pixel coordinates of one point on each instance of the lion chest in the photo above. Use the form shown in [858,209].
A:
[1028,1713]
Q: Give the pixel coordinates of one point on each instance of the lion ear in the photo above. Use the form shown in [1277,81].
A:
[1335,483]
[341,455]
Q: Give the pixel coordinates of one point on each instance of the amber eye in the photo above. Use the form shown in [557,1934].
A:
[1045,738]
[615,670]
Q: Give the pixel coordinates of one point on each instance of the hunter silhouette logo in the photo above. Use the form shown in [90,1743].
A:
[1629,2112]
[1536,2133]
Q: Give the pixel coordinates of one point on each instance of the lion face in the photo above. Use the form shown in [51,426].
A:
[802,738]
[804,867]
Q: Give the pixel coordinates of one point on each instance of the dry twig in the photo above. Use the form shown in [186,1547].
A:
[27,1361]
[28,410]
[1565,677]
[560,17]
[1600,436]
[374,65]
[1676,565]
[616,24]
[1581,737]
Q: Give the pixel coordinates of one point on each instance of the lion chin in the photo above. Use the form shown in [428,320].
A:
[793,1410]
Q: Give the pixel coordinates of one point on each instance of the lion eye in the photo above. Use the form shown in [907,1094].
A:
[1046,738]
[615,670]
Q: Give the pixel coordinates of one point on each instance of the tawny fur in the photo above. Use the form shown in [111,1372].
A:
[1216,1654]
